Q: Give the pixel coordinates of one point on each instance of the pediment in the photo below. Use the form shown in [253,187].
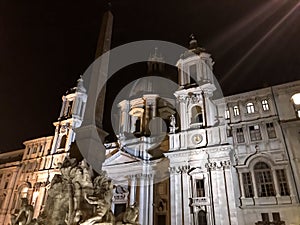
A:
[196,170]
[120,157]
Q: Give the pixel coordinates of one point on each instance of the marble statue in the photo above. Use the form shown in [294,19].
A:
[25,214]
[76,197]
[173,127]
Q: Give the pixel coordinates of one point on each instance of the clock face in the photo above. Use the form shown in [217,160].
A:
[197,138]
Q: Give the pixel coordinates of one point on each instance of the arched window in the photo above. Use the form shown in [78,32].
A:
[202,218]
[227,114]
[236,110]
[197,116]
[264,180]
[63,141]
[265,105]
[250,107]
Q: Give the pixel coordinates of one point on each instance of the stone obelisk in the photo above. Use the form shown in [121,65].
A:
[90,136]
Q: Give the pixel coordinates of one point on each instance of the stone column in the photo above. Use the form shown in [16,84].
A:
[39,202]
[230,192]
[172,195]
[183,112]
[277,191]
[150,200]
[142,204]
[254,185]
[178,198]
[133,185]
[215,192]
[242,185]
[186,195]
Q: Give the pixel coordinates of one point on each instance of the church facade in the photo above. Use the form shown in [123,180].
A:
[194,158]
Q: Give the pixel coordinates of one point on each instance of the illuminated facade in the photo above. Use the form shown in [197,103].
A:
[223,161]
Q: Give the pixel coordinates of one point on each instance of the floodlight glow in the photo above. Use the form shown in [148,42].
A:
[296,99]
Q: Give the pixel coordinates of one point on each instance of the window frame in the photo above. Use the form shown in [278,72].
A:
[264,180]
[236,110]
[255,133]
[240,136]
[250,108]
[265,105]
[248,185]
[271,130]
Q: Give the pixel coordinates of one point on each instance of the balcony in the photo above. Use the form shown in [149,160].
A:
[200,201]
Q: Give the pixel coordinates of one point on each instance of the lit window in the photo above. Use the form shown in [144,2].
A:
[255,134]
[264,180]
[250,107]
[236,110]
[271,130]
[283,184]
[227,114]
[265,105]
[247,183]
[240,135]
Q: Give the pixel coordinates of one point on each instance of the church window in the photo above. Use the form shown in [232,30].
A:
[236,111]
[250,107]
[240,135]
[282,182]
[137,125]
[264,180]
[202,218]
[34,150]
[200,190]
[197,116]
[70,108]
[41,149]
[227,114]
[63,141]
[6,185]
[265,105]
[255,134]
[271,130]
[247,183]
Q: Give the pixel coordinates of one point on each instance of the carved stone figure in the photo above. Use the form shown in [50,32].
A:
[25,214]
[131,215]
[101,199]
[173,127]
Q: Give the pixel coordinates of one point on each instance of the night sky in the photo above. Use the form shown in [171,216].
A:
[46,45]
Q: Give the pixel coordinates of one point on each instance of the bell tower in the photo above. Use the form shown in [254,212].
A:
[198,112]
[70,118]
[200,152]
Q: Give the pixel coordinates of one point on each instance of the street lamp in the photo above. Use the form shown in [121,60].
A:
[296,101]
